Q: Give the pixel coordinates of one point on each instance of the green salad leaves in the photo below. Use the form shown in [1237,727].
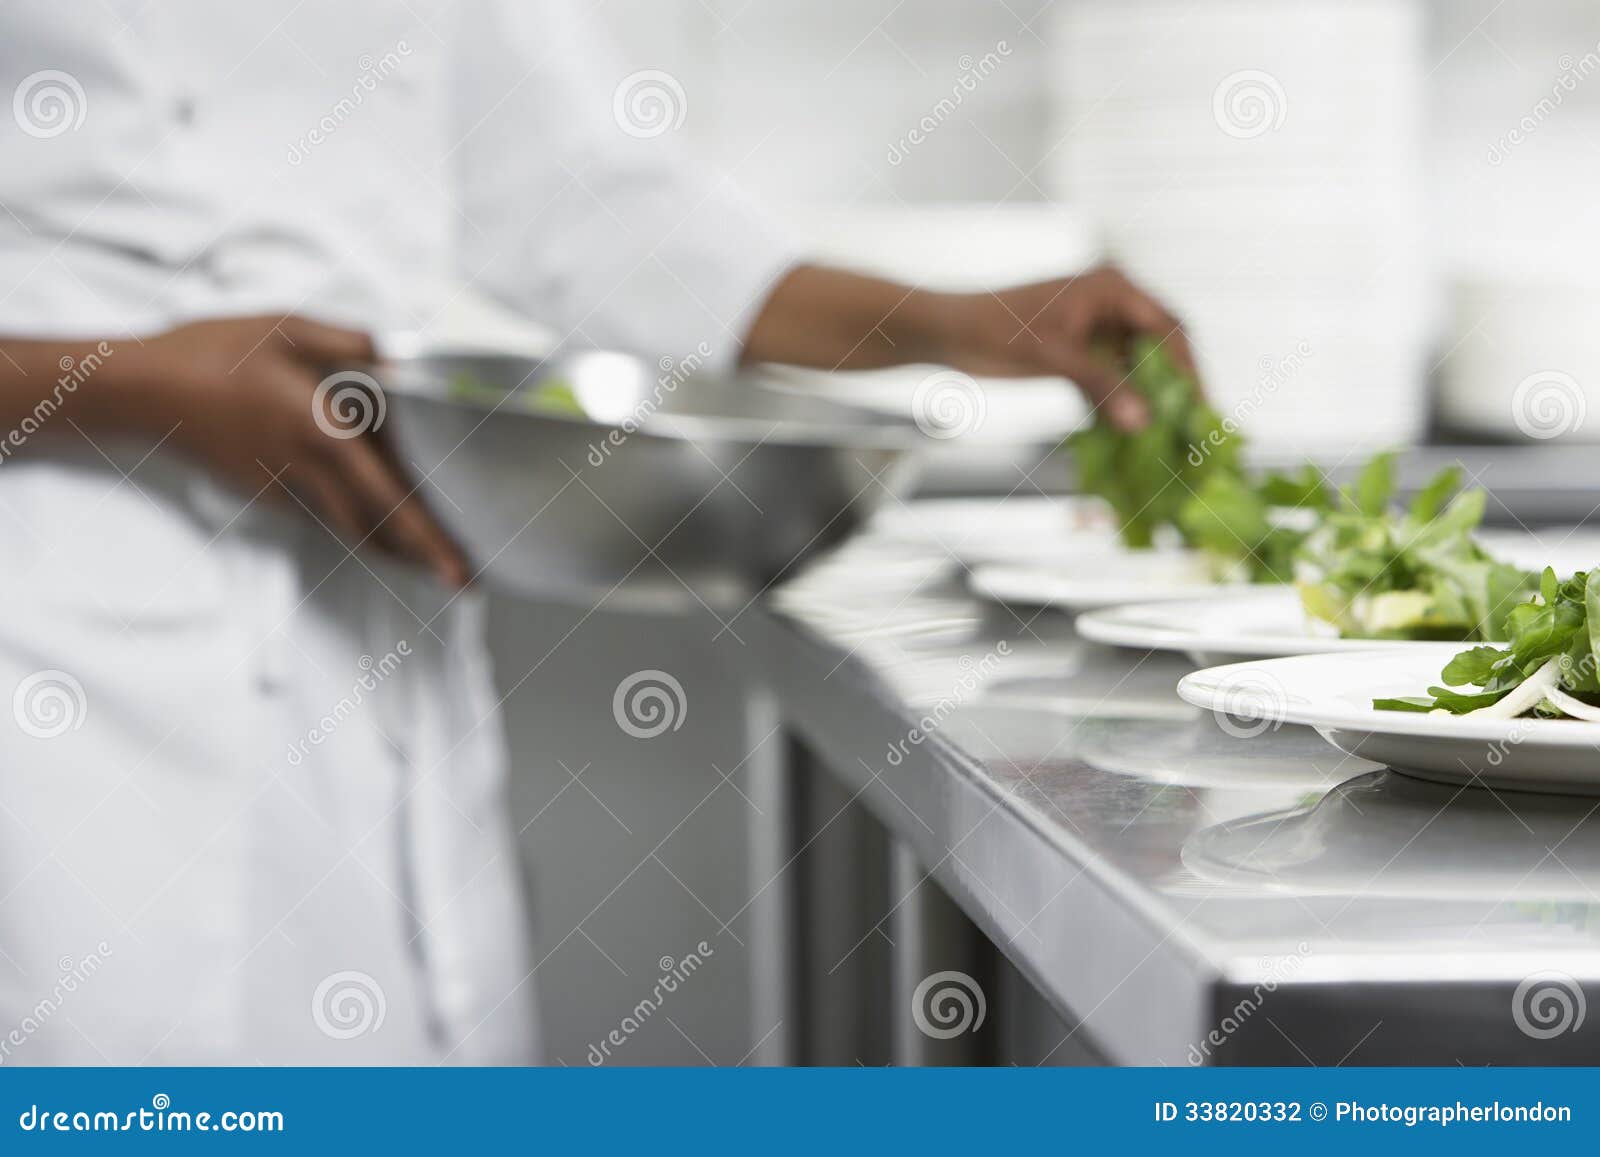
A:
[1377,572]
[1361,563]
[550,397]
[1252,530]
[1147,475]
[1550,666]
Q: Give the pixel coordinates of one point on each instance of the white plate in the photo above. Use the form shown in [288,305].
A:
[1262,622]
[1102,577]
[1333,693]
[982,530]
[1566,548]
[1088,572]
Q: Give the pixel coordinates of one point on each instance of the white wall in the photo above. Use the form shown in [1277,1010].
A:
[801,99]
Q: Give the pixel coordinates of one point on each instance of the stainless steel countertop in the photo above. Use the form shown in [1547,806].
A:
[1180,894]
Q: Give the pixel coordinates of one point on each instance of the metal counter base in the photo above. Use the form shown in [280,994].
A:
[1180,894]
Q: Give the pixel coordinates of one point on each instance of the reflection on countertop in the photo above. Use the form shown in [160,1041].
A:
[1387,834]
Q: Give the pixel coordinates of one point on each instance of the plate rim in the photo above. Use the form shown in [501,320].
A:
[980,585]
[1110,625]
[1196,687]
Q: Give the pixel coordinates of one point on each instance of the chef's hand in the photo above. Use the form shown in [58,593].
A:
[240,396]
[1079,327]
[1076,327]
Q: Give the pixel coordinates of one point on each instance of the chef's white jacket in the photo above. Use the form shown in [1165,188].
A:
[218,886]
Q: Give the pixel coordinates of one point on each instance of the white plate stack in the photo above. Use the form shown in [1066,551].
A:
[1257,164]
[1516,220]
[1523,360]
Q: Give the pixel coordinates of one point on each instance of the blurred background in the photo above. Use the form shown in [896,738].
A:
[1383,208]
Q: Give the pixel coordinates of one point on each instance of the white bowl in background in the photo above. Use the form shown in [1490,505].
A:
[1523,358]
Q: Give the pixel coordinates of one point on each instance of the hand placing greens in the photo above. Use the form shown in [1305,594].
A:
[1548,668]
[1147,475]
[1377,573]
[1183,470]
[1362,564]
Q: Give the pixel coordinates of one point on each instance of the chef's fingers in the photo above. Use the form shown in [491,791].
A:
[1146,315]
[332,502]
[1106,386]
[327,344]
[1072,346]
[1178,344]
[1134,309]
[379,441]
[321,494]
[401,522]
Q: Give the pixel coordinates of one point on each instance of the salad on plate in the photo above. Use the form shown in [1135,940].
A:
[1377,572]
[1549,667]
[1363,565]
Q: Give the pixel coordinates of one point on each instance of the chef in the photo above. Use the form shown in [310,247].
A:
[251,774]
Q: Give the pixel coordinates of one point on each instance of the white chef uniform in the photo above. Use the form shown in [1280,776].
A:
[219,887]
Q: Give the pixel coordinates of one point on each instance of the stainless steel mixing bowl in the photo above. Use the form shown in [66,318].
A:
[667,492]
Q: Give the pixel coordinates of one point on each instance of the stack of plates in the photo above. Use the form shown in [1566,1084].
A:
[1522,356]
[1256,163]
[1524,362]
[1515,218]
